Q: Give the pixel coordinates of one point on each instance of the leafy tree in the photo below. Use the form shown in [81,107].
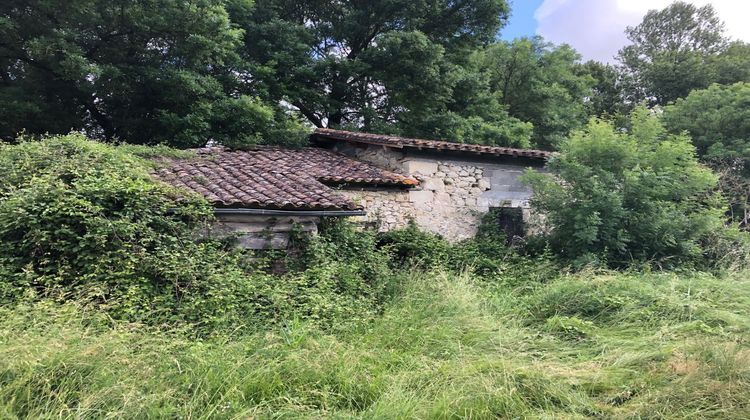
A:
[678,49]
[606,96]
[145,72]
[473,113]
[380,65]
[733,64]
[718,120]
[622,196]
[540,83]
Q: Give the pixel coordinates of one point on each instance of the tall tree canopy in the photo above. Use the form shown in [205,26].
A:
[146,72]
[540,83]
[606,95]
[718,120]
[678,49]
[380,65]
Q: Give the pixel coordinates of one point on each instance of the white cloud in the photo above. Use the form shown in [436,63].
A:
[596,27]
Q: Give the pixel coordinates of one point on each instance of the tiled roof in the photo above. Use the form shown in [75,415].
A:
[274,178]
[404,142]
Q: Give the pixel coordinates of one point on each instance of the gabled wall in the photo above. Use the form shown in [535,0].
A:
[455,189]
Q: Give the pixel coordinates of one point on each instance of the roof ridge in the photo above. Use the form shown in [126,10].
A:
[401,142]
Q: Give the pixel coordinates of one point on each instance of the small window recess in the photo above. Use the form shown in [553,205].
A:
[510,221]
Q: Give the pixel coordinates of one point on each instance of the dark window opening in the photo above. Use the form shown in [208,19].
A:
[510,221]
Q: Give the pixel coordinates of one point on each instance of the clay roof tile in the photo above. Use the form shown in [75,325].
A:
[274,178]
[405,142]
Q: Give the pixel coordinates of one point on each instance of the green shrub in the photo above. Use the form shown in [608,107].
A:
[79,217]
[413,246]
[83,221]
[614,197]
[487,252]
[486,255]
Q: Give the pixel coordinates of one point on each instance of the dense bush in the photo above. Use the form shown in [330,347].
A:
[413,246]
[619,197]
[718,120]
[487,255]
[488,252]
[78,217]
[83,221]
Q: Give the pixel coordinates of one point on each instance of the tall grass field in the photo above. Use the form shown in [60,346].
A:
[589,345]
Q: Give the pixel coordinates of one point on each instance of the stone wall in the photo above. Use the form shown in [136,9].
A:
[387,209]
[262,232]
[450,200]
[453,194]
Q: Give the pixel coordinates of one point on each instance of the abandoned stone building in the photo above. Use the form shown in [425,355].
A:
[381,181]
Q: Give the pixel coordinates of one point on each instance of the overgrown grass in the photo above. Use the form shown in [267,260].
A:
[446,346]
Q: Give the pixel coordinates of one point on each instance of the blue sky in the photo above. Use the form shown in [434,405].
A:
[595,28]
[522,22]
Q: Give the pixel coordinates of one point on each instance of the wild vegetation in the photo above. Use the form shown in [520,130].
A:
[639,195]
[525,341]
[115,301]
[111,309]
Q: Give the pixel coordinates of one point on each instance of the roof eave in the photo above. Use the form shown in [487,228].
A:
[277,212]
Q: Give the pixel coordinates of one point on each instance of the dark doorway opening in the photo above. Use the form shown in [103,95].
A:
[508,220]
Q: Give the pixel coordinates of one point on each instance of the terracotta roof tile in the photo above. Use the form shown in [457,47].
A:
[274,178]
[404,142]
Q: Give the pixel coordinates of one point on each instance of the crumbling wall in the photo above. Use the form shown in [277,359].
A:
[453,194]
[386,209]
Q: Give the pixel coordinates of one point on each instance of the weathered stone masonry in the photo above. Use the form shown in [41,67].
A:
[453,192]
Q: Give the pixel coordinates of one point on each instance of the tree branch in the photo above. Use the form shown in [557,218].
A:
[309,114]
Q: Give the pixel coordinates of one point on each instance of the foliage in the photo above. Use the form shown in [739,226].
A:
[540,83]
[78,217]
[488,252]
[678,49]
[82,221]
[144,72]
[338,281]
[639,195]
[718,121]
[623,345]
[606,97]
[413,246]
[356,267]
[733,64]
[472,114]
[392,66]
[487,255]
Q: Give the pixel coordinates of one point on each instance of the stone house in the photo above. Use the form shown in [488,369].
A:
[382,181]
[458,182]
